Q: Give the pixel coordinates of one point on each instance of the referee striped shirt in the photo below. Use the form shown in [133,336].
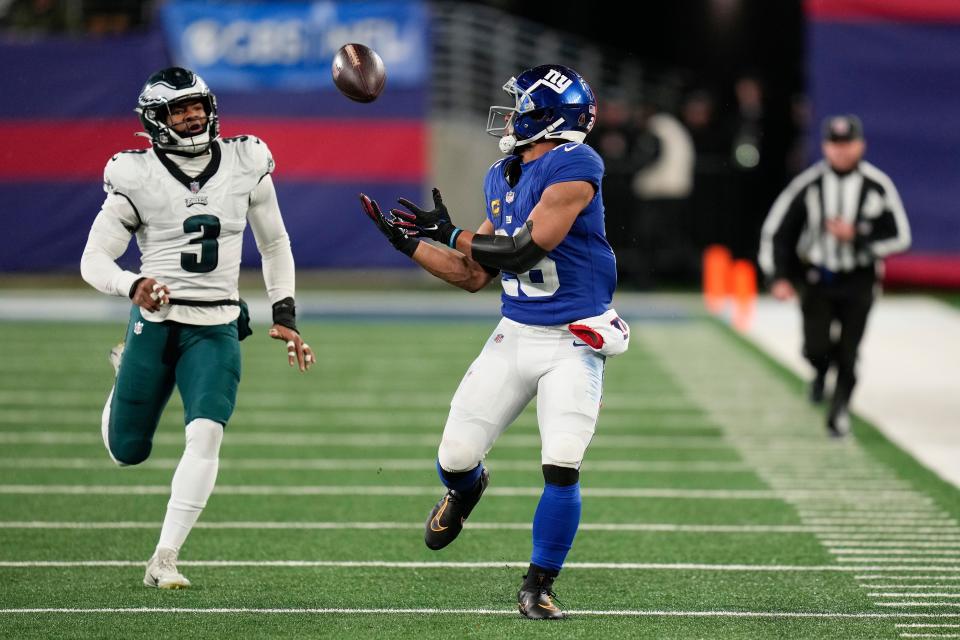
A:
[795,228]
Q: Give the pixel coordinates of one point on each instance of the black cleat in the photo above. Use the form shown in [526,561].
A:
[446,520]
[838,422]
[817,388]
[535,598]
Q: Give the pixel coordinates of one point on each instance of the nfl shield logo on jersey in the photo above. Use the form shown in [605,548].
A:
[137,328]
[194,186]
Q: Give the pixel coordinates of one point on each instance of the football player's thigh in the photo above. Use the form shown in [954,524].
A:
[208,372]
[143,386]
[492,393]
[568,402]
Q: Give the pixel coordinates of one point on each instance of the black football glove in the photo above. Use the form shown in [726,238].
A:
[435,224]
[398,232]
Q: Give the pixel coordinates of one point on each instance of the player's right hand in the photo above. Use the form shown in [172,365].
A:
[434,224]
[397,231]
[150,295]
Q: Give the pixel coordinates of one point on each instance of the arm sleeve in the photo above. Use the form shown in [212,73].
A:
[108,239]
[272,241]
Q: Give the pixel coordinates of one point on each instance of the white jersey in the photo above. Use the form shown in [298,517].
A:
[190,228]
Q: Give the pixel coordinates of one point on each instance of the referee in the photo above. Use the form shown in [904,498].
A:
[825,238]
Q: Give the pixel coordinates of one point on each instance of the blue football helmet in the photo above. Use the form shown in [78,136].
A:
[550,102]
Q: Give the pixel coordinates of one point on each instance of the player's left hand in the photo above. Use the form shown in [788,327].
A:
[298,352]
[435,224]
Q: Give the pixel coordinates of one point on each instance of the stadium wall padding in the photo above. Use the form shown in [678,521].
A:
[895,64]
[69,107]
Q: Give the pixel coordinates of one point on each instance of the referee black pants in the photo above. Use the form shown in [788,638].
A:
[835,309]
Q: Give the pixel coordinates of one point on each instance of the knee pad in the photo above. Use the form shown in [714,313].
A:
[203,438]
[459,454]
[563,450]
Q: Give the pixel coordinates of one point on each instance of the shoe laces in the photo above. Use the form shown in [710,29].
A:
[544,585]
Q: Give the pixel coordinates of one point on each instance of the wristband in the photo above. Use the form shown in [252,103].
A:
[133,287]
[285,313]
[452,243]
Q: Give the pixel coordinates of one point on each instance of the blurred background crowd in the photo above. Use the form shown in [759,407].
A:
[707,109]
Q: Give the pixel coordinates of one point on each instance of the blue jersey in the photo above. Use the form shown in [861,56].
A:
[576,280]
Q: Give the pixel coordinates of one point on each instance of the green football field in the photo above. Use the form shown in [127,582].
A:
[714,505]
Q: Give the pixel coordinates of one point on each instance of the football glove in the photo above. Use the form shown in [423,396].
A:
[434,224]
[401,234]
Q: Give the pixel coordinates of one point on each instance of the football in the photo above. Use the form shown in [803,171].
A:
[358,72]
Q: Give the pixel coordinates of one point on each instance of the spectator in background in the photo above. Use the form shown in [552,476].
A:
[825,237]
[710,201]
[34,16]
[663,187]
[625,146]
[750,165]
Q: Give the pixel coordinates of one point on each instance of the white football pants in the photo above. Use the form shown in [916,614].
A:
[518,363]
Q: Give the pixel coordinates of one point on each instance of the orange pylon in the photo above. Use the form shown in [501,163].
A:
[744,281]
[716,277]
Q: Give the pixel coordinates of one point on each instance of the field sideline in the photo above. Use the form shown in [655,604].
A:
[714,504]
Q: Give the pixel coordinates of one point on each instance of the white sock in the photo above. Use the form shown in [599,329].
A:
[192,482]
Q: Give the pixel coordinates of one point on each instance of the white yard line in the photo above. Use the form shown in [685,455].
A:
[914,603]
[604,566]
[490,526]
[639,613]
[392,490]
[913,595]
[905,577]
[908,586]
[367,440]
[379,490]
[394,464]
[894,552]
[915,625]
[918,543]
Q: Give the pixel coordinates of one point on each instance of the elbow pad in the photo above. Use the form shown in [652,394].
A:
[516,254]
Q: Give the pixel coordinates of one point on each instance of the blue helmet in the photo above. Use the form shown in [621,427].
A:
[550,102]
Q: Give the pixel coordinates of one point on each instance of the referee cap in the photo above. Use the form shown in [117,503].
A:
[842,128]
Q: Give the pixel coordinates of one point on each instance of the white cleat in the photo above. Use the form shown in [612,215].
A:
[115,354]
[162,571]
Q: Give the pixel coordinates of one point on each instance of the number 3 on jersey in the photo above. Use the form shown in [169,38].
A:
[209,228]
[541,281]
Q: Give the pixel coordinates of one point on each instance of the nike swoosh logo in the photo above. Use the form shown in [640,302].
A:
[435,522]
[571,147]
[579,344]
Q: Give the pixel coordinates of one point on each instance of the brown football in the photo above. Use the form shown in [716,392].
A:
[358,72]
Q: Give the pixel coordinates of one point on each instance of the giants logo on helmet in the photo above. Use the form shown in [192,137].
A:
[557,81]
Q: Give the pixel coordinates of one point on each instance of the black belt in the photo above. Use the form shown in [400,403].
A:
[204,303]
